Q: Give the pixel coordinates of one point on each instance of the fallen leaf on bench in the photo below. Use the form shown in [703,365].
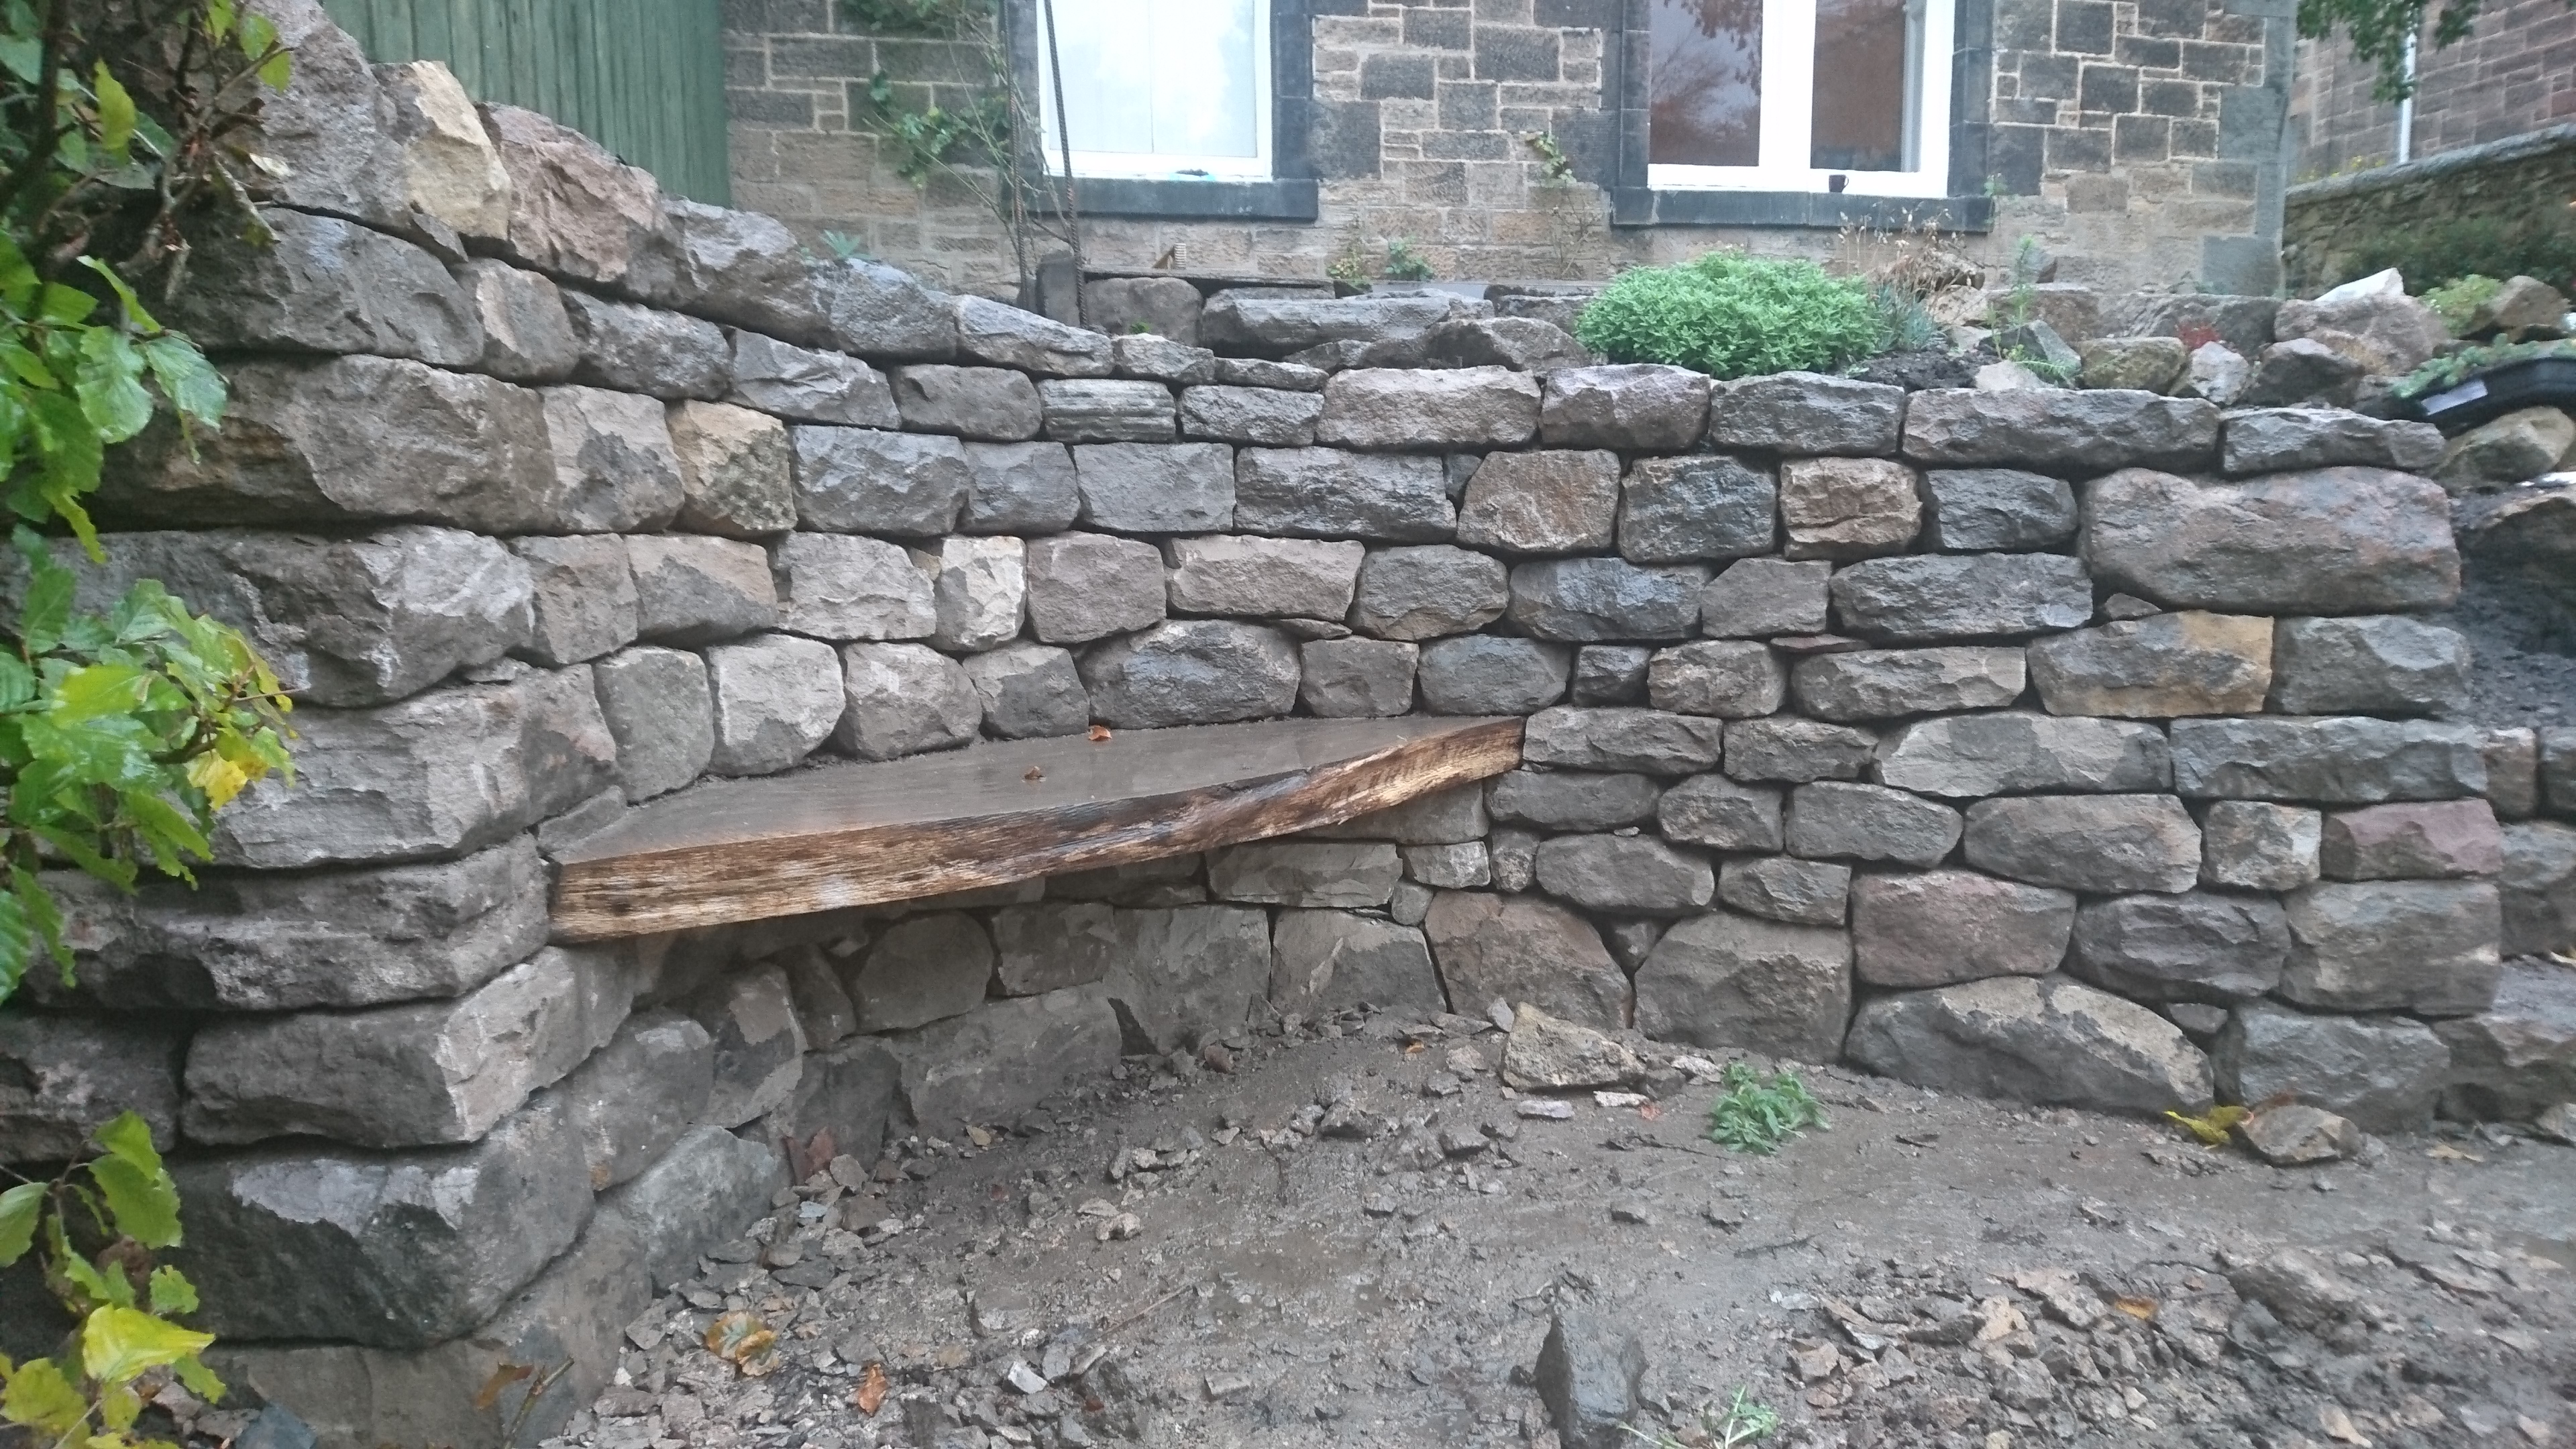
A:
[1099,734]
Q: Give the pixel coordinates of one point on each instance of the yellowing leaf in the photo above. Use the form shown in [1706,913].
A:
[2213,1126]
[118,1344]
[41,1398]
[118,1408]
[220,778]
[741,1339]
[115,130]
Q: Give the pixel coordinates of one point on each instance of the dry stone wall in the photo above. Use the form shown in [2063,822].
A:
[2001,742]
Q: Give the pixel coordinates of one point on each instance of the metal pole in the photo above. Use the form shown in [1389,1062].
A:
[2406,108]
[1064,141]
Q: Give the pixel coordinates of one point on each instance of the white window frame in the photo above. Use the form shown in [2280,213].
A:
[1169,166]
[1788,115]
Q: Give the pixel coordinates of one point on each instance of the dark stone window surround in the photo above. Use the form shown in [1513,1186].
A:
[1289,194]
[1634,203]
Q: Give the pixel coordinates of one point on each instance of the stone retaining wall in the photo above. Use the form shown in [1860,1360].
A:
[2073,746]
[2530,176]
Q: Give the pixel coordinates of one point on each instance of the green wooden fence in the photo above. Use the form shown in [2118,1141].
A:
[644,78]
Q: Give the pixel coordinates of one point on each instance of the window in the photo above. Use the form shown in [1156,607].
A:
[1800,95]
[1161,89]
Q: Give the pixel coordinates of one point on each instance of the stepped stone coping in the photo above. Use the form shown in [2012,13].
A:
[870,834]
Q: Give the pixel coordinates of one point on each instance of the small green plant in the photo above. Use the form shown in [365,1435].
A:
[1349,266]
[1905,324]
[2444,373]
[99,1223]
[2458,301]
[933,138]
[1755,1113]
[1404,264]
[1741,1420]
[1731,315]
[2433,254]
[1553,167]
[1140,328]
[843,246]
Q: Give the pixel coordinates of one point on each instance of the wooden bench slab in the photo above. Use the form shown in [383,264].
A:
[860,834]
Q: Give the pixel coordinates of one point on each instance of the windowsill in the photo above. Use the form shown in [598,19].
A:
[1274,200]
[1822,209]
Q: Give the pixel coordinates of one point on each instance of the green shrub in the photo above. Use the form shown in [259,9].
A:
[1904,323]
[2456,302]
[1730,315]
[1757,1113]
[2437,254]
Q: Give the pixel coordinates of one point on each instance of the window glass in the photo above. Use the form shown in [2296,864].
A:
[1868,62]
[1175,81]
[1705,94]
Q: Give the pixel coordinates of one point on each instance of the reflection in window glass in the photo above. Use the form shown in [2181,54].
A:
[1158,77]
[1868,78]
[1705,83]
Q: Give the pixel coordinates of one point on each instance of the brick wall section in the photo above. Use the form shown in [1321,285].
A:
[2516,73]
[2136,142]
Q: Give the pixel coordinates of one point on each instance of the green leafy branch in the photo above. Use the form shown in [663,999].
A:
[99,1224]
[2379,30]
[1756,1113]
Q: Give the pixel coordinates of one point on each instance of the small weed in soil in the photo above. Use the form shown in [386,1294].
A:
[1756,1113]
[1743,1420]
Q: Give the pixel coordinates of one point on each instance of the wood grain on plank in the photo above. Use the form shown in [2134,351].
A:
[852,835]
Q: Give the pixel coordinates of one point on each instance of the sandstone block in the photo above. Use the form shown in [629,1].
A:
[1723,980]
[1958,597]
[2420,946]
[1948,926]
[2045,1040]
[1403,409]
[1977,509]
[2159,667]
[1640,407]
[1085,586]
[1805,413]
[1322,493]
[1427,592]
[1192,671]
[1974,755]
[2060,430]
[1891,683]
[736,472]
[903,699]
[2146,364]
[2331,760]
[1519,950]
[1030,690]
[2376,664]
[1838,508]
[1356,678]
[1478,674]
[1545,502]
[1760,598]
[2432,841]
[2382,1072]
[661,711]
[1649,741]
[2335,540]
[861,480]
[2095,843]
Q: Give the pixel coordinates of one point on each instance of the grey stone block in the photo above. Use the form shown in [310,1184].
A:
[1805,413]
[903,699]
[1635,407]
[1760,598]
[1159,357]
[1005,336]
[1168,307]
[1975,596]
[1257,416]
[1356,678]
[630,348]
[2517,1059]
[1022,488]
[1188,975]
[1107,410]
[526,336]
[615,469]
[1052,946]
[638,1095]
[2255,846]
[2329,760]
[1892,683]
[1520,950]
[1192,671]
[1249,322]
[1479,674]
[1650,741]
[1406,409]
[1263,577]
[438,774]
[876,311]
[840,587]
[1085,586]
[1975,509]
[2513,772]
[777,697]
[1682,510]
[1030,690]
[1948,926]
[1785,747]
[987,404]
[1449,867]
[1723,980]
[1784,888]
[1315,874]
[1323,493]
[67,1076]
[1325,962]
[581,595]
[2332,541]
[1544,502]
[2425,947]
[564,741]
[756,1042]
[705,1189]
[1846,508]
[2381,1072]
[1732,679]
[1629,874]
[1831,819]
[2539,888]
[1443,817]
[322,284]
[1975,755]
[1556,800]
[734,266]
[1611,673]
[1427,592]
[805,386]
[735,473]
[2158,667]
[2103,844]
[1156,487]
[691,589]
[2379,664]
[1258,372]
[993,1064]
[923,969]
[2198,946]
[662,714]
[2060,430]
[859,480]
[2436,840]
[2046,1040]
[1580,599]
[2282,440]
[1715,811]
[979,591]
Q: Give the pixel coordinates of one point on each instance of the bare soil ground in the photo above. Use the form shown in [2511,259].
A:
[1930,1271]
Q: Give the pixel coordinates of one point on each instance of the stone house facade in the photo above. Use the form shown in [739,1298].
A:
[2139,145]
[2515,74]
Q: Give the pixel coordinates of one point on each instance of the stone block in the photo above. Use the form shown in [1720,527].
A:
[1731,679]
[1783,888]
[756,1042]
[1943,927]
[1252,323]
[1635,407]
[564,741]
[1192,671]
[2328,760]
[2100,844]
[439,774]
[1518,950]
[1356,678]
[631,348]
[1706,810]
[923,969]
[2255,846]
[581,594]
[1255,416]
[690,589]
[2558,770]
[903,699]
[736,473]
[322,284]
[1722,980]
[876,311]
[1160,358]
[2334,540]
[391,1251]
[1831,819]
[979,591]
[2513,772]
[638,1095]
[1449,867]
[1760,598]
[1684,510]
[1172,880]
[66,1076]
[1970,756]
[1443,817]
[777,698]
[1649,741]
[1843,508]
[1892,683]
[2375,664]
[1259,372]
[1572,801]
[1427,592]
[2517,1059]
[1611,673]
[1322,493]
[1052,946]
[1579,599]
[1321,874]
[1805,414]
[2242,323]
[1189,975]
[2159,667]
[2198,946]
[2371,321]
[1085,586]
[1021,488]
[1628,874]
[1523,344]
[1481,674]
[860,480]
[2515,448]
[2424,947]
[526,336]
[1264,577]
[1030,690]
[1005,336]
[2217,372]
[1107,410]
[805,386]
[1976,509]
[1543,502]
[2285,440]
[840,587]
[2059,430]
[2301,372]
[1406,409]
[994,1064]
[2382,1072]
[416,1075]
[1156,487]
[1912,600]
[661,711]
[1785,747]
[2046,1040]
[1168,307]
[2145,364]
[853,1091]
[1326,962]
[2539,886]
[987,404]
[615,467]
[2435,841]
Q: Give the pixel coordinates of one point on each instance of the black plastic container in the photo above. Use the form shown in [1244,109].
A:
[2534,382]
